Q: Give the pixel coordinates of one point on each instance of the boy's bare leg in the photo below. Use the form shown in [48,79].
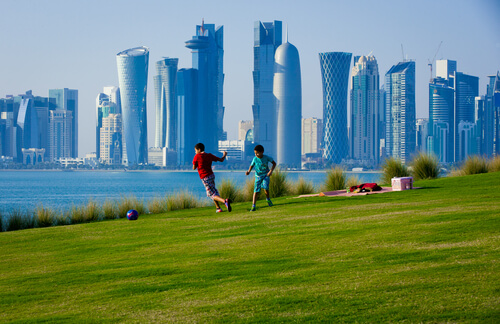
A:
[267,193]
[254,201]
[218,199]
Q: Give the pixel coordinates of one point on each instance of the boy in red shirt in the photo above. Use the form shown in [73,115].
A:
[203,162]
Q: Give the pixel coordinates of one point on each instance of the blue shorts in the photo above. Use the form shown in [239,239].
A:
[261,181]
[209,183]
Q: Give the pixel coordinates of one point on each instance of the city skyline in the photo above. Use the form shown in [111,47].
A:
[318,26]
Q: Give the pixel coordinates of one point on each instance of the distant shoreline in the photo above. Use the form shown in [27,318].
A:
[167,171]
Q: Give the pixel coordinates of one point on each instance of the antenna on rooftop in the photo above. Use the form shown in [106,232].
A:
[286,34]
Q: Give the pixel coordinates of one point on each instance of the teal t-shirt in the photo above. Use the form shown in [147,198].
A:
[261,165]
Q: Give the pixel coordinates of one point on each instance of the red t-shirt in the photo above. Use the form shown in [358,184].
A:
[203,161]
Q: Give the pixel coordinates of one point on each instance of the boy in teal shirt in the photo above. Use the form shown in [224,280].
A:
[262,174]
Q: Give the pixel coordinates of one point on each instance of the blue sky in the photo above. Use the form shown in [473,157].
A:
[72,44]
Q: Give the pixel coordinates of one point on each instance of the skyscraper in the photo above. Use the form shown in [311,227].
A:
[287,90]
[187,119]
[490,118]
[133,79]
[400,111]
[364,132]
[67,99]
[466,90]
[107,102]
[441,126]
[335,77]
[166,116]
[208,53]
[60,134]
[267,38]
[111,139]
[312,135]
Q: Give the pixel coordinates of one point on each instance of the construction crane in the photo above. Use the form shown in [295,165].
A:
[430,62]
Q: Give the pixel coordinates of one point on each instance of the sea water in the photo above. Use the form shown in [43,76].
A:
[25,190]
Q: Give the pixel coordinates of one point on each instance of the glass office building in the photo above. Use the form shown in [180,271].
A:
[400,137]
[187,119]
[67,99]
[166,109]
[207,50]
[466,91]
[133,80]
[364,132]
[441,103]
[335,77]
[267,38]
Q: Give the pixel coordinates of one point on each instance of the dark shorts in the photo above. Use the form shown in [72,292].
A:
[209,183]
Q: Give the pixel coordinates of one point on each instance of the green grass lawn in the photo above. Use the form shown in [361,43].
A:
[427,255]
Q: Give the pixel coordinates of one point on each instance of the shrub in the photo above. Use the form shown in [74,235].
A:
[425,166]
[62,218]
[227,189]
[109,210]
[278,184]
[335,179]
[91,212]
[19,219]
[44,217]
[474,165]
[393,168]
[494,165]
[127,203]
[76,215]
[157,205]
[182,200]
[352,181]
[302,187]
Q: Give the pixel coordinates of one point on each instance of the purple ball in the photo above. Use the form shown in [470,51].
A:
[132,214]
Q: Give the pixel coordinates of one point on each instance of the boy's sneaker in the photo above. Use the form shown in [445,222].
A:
[228,204]
[253,208]
[218,210]
[270,203]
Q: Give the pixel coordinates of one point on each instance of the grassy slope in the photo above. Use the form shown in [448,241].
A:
[429,255]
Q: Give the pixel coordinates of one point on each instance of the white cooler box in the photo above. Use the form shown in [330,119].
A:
[403,183]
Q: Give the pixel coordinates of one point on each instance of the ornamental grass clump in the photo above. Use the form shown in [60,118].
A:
[353,181]
[109,210]
[19,219]
[425,166]
[393,168]
[279,185]
[302,187]
[91,212]
[228,189]
[127,203]
[474,165]
[157,205]
[335,179]
[44,217]
[494,165]
[182,200]
[76,214]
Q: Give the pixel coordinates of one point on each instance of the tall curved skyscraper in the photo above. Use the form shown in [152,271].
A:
[287,90]
[133,80]
[166,116]
[335,77]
